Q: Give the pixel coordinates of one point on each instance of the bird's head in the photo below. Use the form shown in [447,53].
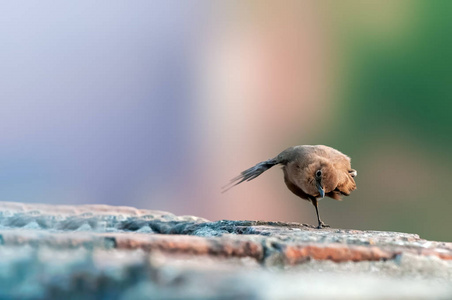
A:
[322,179]
[318,183]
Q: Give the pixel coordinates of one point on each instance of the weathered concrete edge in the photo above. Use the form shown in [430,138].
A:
[263,249]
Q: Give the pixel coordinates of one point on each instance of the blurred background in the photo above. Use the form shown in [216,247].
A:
[158,104]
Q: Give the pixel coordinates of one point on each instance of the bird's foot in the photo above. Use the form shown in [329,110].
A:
[322,225]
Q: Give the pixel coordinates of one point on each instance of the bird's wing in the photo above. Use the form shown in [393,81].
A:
[346,183]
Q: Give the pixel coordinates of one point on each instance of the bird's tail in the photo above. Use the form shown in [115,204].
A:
[251,173]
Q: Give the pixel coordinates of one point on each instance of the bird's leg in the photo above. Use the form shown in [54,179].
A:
[321,223]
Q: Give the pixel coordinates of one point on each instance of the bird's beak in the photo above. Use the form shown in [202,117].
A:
[321,190]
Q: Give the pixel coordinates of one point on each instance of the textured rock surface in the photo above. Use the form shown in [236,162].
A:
[98,251]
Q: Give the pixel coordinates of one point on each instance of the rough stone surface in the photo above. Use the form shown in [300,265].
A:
[106,252]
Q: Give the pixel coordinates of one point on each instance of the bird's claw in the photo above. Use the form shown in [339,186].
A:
[322,225]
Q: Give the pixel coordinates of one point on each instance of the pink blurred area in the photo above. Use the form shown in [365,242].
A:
[264,86]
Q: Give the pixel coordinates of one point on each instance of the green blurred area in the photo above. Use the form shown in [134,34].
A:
[396,121]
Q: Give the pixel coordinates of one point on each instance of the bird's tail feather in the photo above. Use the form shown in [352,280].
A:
[251,173]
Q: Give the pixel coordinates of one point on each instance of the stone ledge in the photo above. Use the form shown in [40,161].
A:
[130,252]
[101,225]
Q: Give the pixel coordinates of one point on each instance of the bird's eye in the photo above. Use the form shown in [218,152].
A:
[318,173]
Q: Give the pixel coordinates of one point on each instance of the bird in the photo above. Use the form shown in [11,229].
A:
[310,171]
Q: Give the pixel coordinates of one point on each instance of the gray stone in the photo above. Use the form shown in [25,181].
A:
[105,252]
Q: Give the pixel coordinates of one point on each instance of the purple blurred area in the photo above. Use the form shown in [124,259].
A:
[96,100]
[157,104]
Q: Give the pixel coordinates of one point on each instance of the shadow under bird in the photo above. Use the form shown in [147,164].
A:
[310,172]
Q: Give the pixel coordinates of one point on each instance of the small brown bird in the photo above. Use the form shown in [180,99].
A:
[310,172]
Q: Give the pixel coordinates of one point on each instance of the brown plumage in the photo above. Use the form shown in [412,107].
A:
[310,172]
